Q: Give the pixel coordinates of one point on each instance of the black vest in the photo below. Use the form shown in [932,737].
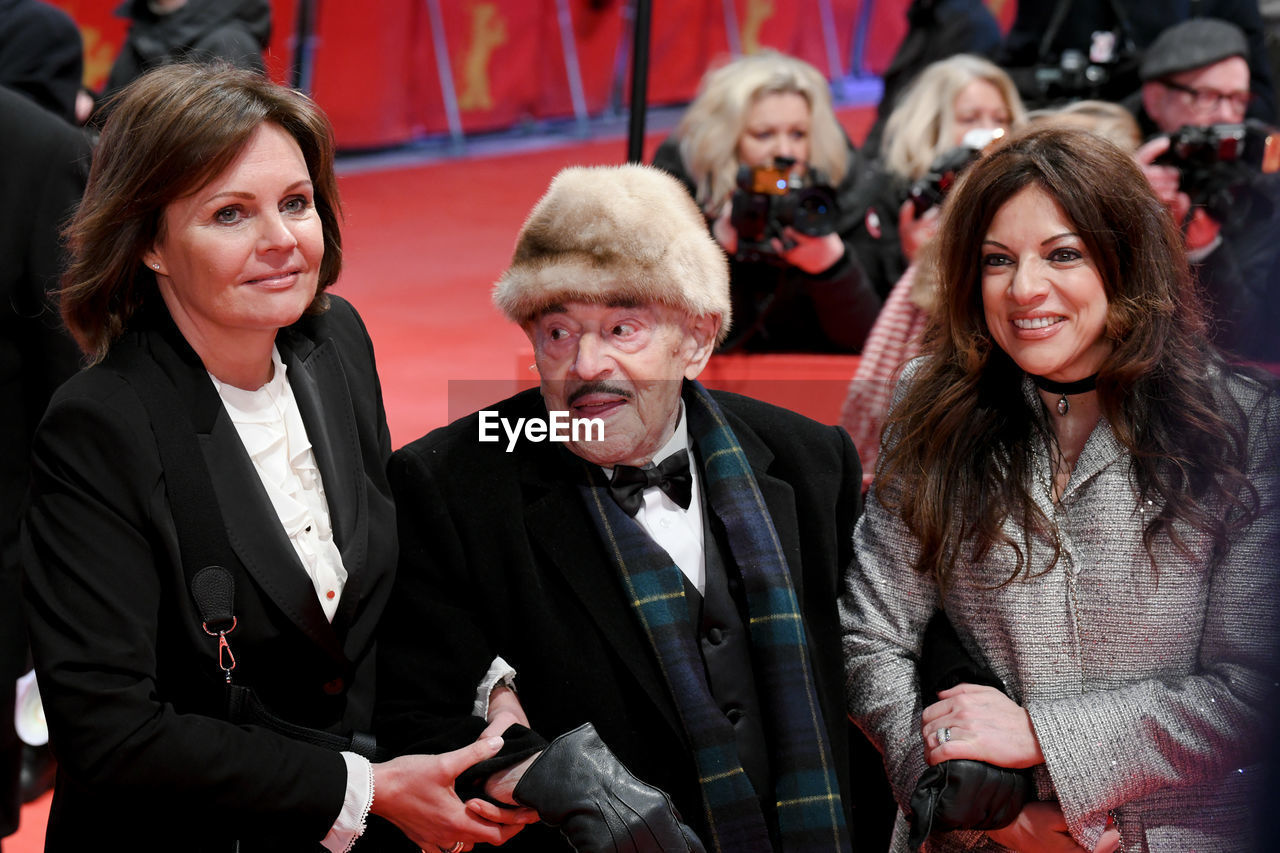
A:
[720,620]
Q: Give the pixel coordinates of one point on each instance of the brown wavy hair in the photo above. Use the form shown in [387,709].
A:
[959,442]
[171,132]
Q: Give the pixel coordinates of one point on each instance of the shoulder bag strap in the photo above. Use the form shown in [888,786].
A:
[204,547]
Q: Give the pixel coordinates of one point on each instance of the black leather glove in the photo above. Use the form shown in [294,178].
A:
[600,807]
[965,794]
[960,793]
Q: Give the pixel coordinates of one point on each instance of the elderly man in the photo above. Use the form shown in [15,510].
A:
[1195,75]
[669,574]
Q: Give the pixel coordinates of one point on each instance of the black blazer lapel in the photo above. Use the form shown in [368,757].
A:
[319,384]
[252,527]
[256,536]
[558,522]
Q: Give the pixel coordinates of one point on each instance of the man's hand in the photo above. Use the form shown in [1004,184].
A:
[501,786]
[505,711]
[1201,229]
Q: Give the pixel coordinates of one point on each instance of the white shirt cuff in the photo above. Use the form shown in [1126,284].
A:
[355,808]
[500,672]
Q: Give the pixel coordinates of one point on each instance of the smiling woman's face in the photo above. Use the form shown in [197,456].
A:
[239,258]
[1042,296]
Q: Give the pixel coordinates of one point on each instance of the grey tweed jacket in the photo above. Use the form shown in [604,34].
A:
[1150,691]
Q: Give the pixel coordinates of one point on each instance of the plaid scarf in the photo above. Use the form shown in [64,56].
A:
[810,817]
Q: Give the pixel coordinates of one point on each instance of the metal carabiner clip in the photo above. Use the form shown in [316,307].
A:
[226,658]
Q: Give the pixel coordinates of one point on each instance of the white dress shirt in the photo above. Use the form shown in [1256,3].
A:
[678,531]
[270,425]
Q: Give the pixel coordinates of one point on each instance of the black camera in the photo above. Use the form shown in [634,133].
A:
[1216,163]
[771,198]
[1073,78]
[931,187]
[1107,70]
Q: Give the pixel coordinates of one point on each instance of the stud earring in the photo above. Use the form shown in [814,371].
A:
[155,266]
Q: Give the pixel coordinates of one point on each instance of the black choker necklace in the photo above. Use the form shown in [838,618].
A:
[1080,386]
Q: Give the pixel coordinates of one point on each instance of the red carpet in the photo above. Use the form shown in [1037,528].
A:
[30,836]
[422,246]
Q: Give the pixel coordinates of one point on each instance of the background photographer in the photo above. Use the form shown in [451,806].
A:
[796,292]
[1042,33]
[1196,75]
[949,99]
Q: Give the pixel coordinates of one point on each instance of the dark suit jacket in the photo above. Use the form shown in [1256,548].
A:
[499,557]
[41,55]
[44,163]
[130,681]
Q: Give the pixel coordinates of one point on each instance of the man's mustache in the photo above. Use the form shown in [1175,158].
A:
[598,387]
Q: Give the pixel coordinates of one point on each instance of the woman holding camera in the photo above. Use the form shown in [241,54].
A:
[211,540]
[950,99]
[1089,492]
[953,108]
[768,117]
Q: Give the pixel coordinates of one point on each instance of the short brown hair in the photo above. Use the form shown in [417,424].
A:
[169,133]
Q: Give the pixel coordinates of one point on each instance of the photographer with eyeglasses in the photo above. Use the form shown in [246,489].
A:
[1206,162]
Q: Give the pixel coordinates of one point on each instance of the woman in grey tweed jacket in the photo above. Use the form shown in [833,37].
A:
[1078,480]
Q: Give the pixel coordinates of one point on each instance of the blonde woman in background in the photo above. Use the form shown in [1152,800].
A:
[1107,119]
[799,292]
[949,99]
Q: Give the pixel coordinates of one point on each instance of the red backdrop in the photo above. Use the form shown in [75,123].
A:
[377,75]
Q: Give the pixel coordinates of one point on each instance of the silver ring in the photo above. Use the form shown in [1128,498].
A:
[944,735]
[457,846]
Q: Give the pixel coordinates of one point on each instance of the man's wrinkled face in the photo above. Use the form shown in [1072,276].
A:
[623,364]
[1214,94]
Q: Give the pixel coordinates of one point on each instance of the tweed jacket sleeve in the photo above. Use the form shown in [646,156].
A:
[883,613]
[1147,686]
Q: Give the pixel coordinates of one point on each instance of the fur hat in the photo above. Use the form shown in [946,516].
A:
[608,233]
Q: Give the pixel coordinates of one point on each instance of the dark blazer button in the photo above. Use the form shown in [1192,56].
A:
[735,714]
[333,688]
[715,636]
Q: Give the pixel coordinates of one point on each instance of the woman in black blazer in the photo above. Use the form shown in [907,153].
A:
[201,256]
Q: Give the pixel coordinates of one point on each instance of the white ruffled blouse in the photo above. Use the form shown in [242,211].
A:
[270,425]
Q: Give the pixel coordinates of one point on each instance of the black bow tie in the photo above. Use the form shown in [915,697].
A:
[672,476]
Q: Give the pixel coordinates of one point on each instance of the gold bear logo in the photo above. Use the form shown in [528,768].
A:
[758,11]
[488,32]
